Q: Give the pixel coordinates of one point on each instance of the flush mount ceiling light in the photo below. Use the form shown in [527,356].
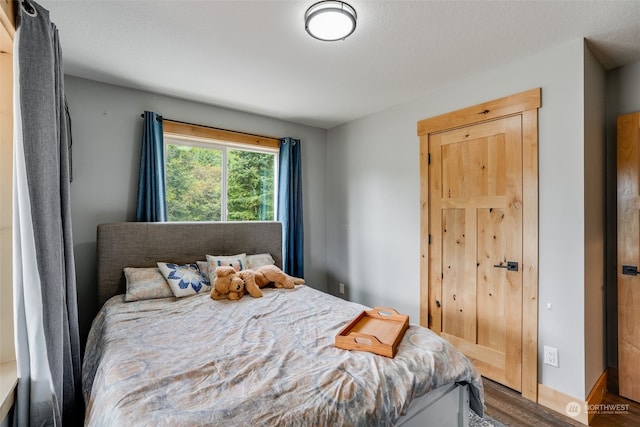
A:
[330,20]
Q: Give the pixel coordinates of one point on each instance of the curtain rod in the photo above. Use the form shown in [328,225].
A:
[160,118]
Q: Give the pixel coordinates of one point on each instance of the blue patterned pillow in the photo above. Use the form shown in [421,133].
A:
[185,279]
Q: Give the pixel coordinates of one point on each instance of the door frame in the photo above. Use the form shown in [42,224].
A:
[526,105]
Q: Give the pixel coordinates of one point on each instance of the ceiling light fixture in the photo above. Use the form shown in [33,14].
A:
[330,20]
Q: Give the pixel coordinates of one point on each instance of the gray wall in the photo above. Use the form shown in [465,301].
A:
[361,190]
[373,201]
[594,218]
[107,130]
[623,97]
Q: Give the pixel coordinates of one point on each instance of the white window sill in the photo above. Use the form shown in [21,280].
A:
[8,382]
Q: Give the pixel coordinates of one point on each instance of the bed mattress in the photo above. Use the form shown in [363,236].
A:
[255,362]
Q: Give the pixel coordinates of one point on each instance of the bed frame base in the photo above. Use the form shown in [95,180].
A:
[446,406]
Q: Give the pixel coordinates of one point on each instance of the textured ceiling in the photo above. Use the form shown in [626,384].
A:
[255,55]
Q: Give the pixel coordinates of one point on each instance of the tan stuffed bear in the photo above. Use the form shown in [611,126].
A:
[249,278]
[228,284]
[262,276]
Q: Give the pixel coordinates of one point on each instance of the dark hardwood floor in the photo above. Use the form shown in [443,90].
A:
[510,408]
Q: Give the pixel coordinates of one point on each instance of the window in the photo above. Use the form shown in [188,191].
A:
[217,180]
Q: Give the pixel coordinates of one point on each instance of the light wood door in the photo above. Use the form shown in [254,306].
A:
[493,178]
[476,251]
[629,255]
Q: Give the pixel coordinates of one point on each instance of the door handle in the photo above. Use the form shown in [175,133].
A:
[630,270]
[511,266]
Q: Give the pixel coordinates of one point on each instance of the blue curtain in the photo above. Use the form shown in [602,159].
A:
[152,201]
[290,206]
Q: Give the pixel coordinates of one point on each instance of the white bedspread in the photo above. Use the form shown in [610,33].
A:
[254,362]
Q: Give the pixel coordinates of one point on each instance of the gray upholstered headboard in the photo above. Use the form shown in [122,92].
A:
[143,244]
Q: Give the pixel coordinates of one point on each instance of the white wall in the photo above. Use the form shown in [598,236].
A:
[623,97]
[373,200]
[594,210]
[107,131]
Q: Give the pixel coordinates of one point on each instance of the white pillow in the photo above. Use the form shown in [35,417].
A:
[145,283]
[258,260]
[204,269]
[238,262]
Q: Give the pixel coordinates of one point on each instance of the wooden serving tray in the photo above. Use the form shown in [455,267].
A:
[378,331]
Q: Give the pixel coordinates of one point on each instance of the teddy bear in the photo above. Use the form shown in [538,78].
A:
[250,284]
[264,275]
[227,284]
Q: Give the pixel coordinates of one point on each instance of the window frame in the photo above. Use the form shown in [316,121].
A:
[178,133]
[8,365]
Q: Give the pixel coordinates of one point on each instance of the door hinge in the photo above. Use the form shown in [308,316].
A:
[429,158]
[429,239]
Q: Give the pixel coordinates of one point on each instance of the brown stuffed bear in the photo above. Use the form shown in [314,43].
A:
[262,276]
[250,285]
[227,284]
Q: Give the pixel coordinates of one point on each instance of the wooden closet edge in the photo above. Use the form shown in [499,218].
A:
[7,17]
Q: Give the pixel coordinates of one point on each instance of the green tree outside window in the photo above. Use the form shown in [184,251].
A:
[194,177]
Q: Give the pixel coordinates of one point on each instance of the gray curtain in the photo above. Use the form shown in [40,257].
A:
[47,337]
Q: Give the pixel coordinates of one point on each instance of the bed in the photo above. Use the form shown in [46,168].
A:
[257,361]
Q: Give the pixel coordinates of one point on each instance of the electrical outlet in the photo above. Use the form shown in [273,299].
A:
[550,356]
[341,288]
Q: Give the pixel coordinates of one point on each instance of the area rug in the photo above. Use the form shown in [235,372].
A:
[477,421]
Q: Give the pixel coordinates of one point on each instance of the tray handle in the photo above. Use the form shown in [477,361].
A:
[364,339]
[386,313]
